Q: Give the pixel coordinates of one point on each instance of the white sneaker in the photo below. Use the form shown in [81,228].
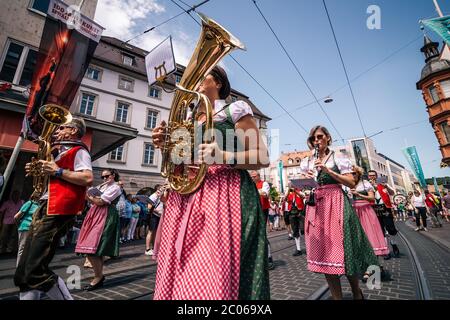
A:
[416,229]
[149,252]
[425,229]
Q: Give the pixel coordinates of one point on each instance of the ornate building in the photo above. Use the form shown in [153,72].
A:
[435,86]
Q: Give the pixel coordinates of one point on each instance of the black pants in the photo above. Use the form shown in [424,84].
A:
[296,225]
[33,271]
[422,213]
[386,219]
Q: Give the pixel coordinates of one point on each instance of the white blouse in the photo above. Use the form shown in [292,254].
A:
[110,192]
[238,109]
[343,163]
[364,186]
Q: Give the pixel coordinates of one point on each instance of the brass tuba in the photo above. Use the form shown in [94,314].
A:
[53,116]
[214,43]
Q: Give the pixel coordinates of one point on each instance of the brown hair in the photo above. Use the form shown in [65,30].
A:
[220,76]
[310,140]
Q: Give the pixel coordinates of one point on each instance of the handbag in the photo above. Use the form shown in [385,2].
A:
[312,199]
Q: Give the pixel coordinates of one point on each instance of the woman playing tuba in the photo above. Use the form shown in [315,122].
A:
[213,241]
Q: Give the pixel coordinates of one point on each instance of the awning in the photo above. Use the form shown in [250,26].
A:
[101,136]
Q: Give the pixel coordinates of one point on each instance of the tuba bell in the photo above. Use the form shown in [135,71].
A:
[53,116]
[183,175]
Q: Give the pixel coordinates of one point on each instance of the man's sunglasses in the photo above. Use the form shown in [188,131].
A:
[106,176]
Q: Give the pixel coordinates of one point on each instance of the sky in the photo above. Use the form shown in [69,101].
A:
[384,89]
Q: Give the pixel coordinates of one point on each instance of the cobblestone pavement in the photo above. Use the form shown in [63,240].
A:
[132,276]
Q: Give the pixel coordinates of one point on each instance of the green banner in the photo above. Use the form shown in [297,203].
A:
[441,26]
[413,159]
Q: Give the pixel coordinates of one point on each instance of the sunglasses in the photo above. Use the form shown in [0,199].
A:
[317,137]
[106,177]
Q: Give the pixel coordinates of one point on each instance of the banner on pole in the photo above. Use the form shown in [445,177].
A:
[413,159]
[280,173]
[441,26]
[68,42]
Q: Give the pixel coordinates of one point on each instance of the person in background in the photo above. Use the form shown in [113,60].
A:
[433,209]
[23,219]
[140,227]
[420,209]
[99,234]
[264,190]
[363,194]
[446,205]
[272,215]
[125,223]
[156,211]
[8,233]
[296,212]
[136,210]
[384,210]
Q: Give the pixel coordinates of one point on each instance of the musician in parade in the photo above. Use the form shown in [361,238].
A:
[213,241]
[363,195]
[336,243]
[296,212]
[264,190]
[383,208]
[70,173]
[100,232]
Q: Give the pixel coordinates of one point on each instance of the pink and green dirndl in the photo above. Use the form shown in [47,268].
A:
[335,240]
[213,242]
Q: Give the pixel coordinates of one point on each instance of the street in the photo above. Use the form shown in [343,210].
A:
[132,276]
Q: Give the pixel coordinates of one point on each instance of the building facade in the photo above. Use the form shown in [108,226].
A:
[435,86]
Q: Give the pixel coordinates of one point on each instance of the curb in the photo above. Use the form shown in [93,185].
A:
[444,244]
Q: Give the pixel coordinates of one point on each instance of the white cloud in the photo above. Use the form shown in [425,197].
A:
[119,17]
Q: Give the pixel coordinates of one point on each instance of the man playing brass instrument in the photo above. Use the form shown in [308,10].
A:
[70,173]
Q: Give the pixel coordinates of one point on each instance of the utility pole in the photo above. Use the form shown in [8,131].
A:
[438,8]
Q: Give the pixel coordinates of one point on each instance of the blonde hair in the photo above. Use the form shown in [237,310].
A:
[359,171]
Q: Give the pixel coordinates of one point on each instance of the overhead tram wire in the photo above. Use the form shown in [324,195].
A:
[358,76]
[160,24]
[256,81]
[345,69]
[297,69]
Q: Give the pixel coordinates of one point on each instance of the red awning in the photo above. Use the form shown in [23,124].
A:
[11,126]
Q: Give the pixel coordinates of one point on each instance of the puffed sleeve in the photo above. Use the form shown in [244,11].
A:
[240,109]
[368,186]
[110,194]
[344,164]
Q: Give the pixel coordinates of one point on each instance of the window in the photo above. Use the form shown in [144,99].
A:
[122,112]
[290,161]
[40,5]
[152,118]
[117,155]
[128,60]
[297,160]
[154,92]
[93,74]
[290,171]
[19,64]
[126,84]
[433,93]
[445,86]
[87,104]
[446,131]
[149,154]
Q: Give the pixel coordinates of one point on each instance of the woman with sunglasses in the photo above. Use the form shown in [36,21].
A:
[99,234]
[335,242]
